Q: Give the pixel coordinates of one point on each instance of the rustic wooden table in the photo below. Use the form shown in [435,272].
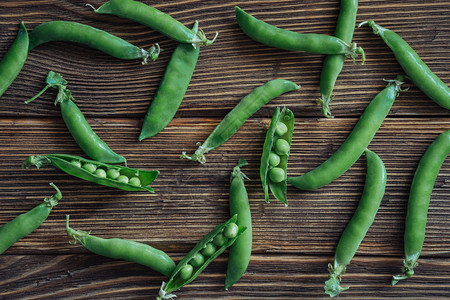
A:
[292,245]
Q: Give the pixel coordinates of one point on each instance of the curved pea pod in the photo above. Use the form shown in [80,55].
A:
[270,159]
[71,164]
[178,278]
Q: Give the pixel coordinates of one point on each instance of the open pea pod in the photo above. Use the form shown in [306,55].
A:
[195,265]
[274,160]
[125,178]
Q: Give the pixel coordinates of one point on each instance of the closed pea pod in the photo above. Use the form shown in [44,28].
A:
[362,219]
[240,251]
[333,64]
[179,278]
[289,40]
[153,18]
[419,200]
[27,222]
[171,90]
[124,249]
[274,159]
[95,38]
[68,164]
[239,114]
[414,67]
[76,123]
[355,144]
[14,59]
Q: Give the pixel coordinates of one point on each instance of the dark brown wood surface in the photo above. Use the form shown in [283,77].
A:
[292,245]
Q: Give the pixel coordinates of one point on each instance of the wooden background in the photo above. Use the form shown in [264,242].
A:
[292,245]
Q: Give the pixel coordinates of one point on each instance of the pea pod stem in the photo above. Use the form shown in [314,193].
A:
[419,201]
[239,114]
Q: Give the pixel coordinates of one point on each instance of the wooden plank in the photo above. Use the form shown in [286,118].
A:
[231,67]
[268,276]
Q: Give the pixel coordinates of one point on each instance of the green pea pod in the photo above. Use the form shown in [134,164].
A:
[178,279]
[240,113]
[76,123]
[14,59]
[171,91]
[362,219]
[73,165]
[414,67]
[153,18]
[124,249]
[278,188]
[95,38]
[355,144]
[27,222]
[419,200]
[273,36]
[241,250]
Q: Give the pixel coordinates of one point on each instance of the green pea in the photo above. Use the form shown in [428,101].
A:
[274,159]
[197,260]
[186,272]
[220,240]
[100,173]
[123,179]
[76,163]
[89,167]
[231,230]
[209,249]
[281,129]
[112,173]
[281,147]
[276,175]
[135,181]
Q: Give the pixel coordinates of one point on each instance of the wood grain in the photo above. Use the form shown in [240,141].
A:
[292,245]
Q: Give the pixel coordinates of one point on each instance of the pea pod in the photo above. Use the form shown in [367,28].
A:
[171,91]
[75,121]
[27,222]
[14,59]
[240,113]
[414,67]
[95,38]
[124,249]
[241,250]
[355,144]
[358,226]
[191,266]
[155,19]
[274,159]
[419,200]
[333,64]
[273,36]
[97,172]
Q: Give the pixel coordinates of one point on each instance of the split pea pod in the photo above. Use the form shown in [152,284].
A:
[413,65]
[14,59]
[333,64]
[171,91]
[27,222]
[240,251]
[273,36]
[240,113]
[155,19]
[124,249]
[210,247]
[274,159]
[76,123]
[355,144]
[116,176]
[362,219]
[419,200]
[90,36]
